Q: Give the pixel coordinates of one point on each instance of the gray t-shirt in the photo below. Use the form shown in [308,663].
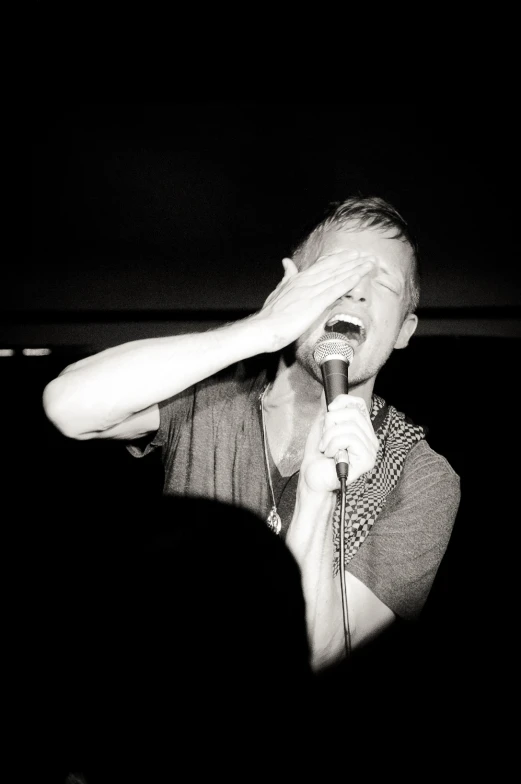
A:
[211,443]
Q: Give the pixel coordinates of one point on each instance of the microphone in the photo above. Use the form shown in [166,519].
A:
[333,354]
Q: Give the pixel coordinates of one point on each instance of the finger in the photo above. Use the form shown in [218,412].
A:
[342,278]
[306,279]
[347,408]
[334,286]
[321,475]
[346,401]
[289,271]
[342,436]
[340,263]
[350,418]
[355,424]
[335,254]
[321,293]
[345,255]
[356,444]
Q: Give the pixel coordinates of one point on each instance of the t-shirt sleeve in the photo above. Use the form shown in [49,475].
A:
[175,412]
[171,410]
[401,555]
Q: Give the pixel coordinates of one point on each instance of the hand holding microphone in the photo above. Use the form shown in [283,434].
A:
[333,354]
[342,438]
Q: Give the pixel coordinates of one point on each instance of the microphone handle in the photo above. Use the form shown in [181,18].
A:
[334,377]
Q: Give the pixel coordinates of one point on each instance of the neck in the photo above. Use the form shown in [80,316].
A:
[365,391]
[294,388]
[290,406]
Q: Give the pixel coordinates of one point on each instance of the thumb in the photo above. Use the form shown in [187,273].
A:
[290,268]
[289,271]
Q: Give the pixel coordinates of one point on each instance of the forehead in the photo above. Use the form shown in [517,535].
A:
[393,255]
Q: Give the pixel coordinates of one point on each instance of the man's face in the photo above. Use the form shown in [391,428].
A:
[376,304]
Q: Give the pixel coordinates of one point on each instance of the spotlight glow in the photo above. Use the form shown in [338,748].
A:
[36,352]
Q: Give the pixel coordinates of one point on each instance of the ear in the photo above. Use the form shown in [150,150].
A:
[407,330]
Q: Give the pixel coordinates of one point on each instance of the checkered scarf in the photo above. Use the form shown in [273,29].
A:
[366,496]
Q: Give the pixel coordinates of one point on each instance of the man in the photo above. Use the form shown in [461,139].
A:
[257,433]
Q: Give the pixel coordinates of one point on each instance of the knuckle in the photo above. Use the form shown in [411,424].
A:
[355,400]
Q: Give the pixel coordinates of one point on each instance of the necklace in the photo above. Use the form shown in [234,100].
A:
[273,520]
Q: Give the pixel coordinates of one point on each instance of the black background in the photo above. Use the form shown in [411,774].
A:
[192,205]
[188,206]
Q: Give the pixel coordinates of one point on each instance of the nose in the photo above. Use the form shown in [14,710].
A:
[361,292]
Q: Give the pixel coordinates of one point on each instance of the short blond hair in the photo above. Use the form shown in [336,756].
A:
[363,213]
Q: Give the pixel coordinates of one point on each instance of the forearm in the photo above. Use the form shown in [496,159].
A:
[311,542]
[313,512]
[310,539]
[104,389]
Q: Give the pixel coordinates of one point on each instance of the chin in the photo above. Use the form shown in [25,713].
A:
[365,369]
[357,381]
[304,357]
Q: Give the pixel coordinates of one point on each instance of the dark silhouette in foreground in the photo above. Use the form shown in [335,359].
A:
[176,624]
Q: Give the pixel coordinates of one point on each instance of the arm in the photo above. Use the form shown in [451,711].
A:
[310,539]
[310,535]
[400,558]
[115,393]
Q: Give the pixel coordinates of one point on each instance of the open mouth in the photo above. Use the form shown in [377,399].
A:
[350,326]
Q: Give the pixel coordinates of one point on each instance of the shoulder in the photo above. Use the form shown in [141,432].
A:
[426,466]
[422,457]
[428,491]
[399,559]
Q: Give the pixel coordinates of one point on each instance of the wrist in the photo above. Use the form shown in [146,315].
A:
[313,511]
[264,333]
[242,339]
[251,335]
[313,499]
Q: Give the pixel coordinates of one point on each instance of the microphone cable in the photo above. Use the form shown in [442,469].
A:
[345,608]
[333,354]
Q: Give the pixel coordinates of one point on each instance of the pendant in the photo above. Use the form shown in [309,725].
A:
[274,521]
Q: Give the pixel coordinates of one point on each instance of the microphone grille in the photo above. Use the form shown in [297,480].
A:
[332,345]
